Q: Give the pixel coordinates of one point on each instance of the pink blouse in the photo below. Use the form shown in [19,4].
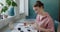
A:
[45,21]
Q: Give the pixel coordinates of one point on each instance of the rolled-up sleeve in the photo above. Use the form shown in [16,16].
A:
[51,25]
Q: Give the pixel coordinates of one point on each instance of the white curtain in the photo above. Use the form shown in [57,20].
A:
[26,7]
[22,7]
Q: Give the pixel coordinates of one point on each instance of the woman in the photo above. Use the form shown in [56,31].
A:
[43,20]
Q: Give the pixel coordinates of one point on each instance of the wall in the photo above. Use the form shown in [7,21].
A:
[51,6]
[59,10]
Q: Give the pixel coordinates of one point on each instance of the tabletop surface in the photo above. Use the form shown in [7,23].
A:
[7,29]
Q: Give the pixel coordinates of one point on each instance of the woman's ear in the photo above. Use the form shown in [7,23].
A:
[41,7]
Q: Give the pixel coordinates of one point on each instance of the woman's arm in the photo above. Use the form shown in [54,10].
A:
[38,27]
[43,29]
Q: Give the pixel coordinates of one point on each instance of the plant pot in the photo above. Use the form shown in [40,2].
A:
[11,11]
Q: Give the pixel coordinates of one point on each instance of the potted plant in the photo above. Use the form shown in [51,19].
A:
[2,9]
[10,4]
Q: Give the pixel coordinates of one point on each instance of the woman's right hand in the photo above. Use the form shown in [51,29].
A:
[48,30]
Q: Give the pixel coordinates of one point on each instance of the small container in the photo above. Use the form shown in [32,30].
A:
[25,24]
[19,28]
[11,26]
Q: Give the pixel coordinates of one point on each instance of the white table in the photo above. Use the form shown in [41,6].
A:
[7,29]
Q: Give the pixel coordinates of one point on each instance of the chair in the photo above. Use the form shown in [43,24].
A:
[56,25]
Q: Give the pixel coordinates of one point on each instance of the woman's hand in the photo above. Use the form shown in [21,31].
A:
[41,28]
[48,30]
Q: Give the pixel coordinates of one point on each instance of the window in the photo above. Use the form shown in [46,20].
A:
[4,14]
[22,7]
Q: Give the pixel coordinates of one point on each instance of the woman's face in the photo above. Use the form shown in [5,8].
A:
[37,9]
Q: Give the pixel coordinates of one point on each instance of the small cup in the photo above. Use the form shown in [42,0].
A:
[25,24]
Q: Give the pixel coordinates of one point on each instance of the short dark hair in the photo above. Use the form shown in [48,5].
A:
[39,4]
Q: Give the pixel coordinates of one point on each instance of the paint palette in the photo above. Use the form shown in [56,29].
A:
[21,28]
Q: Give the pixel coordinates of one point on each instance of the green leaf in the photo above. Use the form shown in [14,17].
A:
[4,9]
[1,4]
[11,2]
[8,2]
[14,4]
